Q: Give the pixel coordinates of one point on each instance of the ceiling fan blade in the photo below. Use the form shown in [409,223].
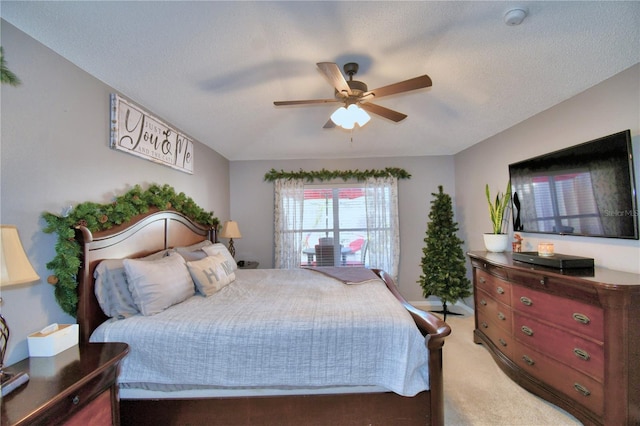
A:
[337,80]
[403,86]
[383,112]
[329,124]
[306,102]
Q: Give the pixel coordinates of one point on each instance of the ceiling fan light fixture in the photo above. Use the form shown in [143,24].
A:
[348,117]
[340,116]
[359,115]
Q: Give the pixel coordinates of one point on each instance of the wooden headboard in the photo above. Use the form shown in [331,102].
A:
[143,235]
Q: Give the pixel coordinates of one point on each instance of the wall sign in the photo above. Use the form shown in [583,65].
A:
[137,132]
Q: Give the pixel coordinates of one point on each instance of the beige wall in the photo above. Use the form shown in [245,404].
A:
[55,153]
[606,108]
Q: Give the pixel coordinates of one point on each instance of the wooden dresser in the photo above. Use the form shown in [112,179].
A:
[76,387]
[570,336]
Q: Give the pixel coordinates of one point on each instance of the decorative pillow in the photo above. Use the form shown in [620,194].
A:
[219,248]
[111,287]
[194,247]
[211,273]
[156,285]
[191,256]
[194,251]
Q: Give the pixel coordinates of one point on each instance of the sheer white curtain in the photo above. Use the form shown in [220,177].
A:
[382,224]
[289,202]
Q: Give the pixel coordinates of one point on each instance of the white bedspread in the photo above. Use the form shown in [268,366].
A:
[277,328]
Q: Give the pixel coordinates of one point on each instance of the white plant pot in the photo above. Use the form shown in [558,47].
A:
[496,243]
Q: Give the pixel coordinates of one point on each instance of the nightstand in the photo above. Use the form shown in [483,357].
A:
[248,264]
[76,387]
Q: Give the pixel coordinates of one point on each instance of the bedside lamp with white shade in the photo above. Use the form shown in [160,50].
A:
[230,230]
[15,269]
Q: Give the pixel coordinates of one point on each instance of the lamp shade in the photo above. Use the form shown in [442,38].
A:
[348,117]
[14,265]
[230,230]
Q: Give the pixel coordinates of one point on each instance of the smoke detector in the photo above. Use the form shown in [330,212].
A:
[515,16]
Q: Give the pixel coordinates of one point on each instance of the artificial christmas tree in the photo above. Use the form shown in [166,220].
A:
[444,273]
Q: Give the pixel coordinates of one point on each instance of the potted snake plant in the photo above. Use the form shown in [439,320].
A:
[497,241]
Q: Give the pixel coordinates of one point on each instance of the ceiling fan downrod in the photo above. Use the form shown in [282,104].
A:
[350,69]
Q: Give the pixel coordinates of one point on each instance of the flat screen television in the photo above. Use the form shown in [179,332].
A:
[587,190]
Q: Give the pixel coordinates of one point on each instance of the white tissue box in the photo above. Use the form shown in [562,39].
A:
[53,343]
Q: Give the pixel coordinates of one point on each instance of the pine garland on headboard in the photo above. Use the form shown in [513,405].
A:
[99,217]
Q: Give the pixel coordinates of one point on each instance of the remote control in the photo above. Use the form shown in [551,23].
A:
[14,382]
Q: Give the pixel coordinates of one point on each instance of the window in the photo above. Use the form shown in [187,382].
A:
[334,216]
[337,224]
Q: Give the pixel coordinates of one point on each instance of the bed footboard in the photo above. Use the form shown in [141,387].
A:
[435,330]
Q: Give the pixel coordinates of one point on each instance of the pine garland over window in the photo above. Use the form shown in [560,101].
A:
[324,174]
[100,217]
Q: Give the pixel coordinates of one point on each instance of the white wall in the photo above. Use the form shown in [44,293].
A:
[55,153]
[252,205]
[607,108]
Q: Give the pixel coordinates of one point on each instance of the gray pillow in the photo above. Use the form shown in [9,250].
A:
[111,287]
[158,284]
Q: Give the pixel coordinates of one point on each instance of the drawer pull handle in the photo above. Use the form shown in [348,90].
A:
[526,301]
[528,360]
[482,280]
[75,400]
[502,342]
[500,290]
[581,353]
[485,325]
[581,318]
[541,281]
[483,302]
[526,330]
[584,391]
[501,316]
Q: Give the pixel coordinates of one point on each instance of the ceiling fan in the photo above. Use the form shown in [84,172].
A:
[356,93]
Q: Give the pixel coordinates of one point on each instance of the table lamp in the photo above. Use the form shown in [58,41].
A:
[14,269]
[230,230]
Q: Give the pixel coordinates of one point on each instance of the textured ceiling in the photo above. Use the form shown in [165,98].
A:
[213,69]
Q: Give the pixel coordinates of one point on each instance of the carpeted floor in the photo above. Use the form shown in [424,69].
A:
[477,392]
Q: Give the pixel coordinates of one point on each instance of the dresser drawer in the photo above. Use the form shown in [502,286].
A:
[76,400]
[97,413]
[554,285]
[494,286]
[501,338]
[573,350]
[488,267]
[565,313]
[494,310]
[579,387]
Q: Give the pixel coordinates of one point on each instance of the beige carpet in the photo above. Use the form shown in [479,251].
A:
[477,392]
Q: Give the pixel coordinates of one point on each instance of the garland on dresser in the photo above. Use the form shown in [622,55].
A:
[324,174]
[100,217]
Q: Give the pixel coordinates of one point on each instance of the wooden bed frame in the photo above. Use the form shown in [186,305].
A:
[160,230]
